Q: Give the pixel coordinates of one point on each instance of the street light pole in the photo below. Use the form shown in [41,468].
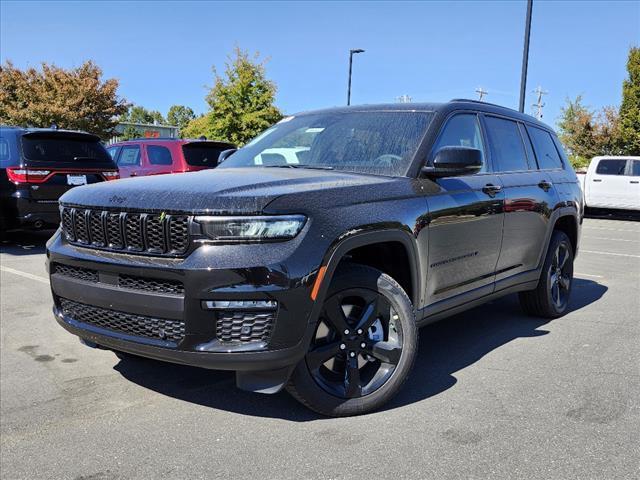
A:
[351,52]
[525,55]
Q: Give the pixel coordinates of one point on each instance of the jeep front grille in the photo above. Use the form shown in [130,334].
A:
[128,232]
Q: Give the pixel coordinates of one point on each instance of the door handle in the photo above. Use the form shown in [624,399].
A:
[634,181]
[491,189]
[545,185]
[597,180]
[134,174]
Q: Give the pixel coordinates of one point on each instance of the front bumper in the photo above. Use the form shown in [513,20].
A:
[267,272]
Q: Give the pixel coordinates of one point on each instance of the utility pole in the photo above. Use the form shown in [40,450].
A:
[481,93]
[525,55]
[351,52]
[404,99]
[539,104]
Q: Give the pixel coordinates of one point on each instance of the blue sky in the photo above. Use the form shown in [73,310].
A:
[162,52]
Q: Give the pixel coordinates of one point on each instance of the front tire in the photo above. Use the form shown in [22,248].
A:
[363,348]
[550,299]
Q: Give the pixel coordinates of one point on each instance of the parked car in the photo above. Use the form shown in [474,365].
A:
[157,156]
[316,275]
[38,165]
[612,183]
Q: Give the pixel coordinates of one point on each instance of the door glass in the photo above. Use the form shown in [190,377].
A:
[507,150]
[635,168]
[611,167]
[545,149]
[159,155]
[130,156]
[462,131]
[113,151]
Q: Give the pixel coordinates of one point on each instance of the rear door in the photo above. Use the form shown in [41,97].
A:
[607,185]
[58,161]
[529,194]
[160,160]
[130,160]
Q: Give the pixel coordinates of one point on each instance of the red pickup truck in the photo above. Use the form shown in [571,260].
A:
[157,156]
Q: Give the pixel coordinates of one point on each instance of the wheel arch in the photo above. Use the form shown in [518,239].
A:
[362,248]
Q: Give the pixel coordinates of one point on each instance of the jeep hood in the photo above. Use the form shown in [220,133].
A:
[219,191]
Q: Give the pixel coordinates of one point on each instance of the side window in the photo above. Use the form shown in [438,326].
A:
[611,166]
[635,168]
[159,155]
[462,130]
[130,156]
[507,149]
[546,151]
[113,152]
[4,152]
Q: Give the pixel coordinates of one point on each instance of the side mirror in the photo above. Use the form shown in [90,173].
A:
[226,154]
[454,162]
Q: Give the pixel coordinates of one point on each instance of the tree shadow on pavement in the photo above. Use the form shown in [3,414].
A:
[445,348]
[26,243]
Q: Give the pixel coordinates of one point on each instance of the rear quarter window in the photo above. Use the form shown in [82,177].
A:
[611,166]
[202,155]
[635,168]
[545,149]
[5,153]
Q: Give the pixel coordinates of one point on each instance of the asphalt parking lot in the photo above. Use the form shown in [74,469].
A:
[494,394]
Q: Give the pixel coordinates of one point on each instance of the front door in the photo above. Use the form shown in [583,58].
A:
[465,228]
[608,183]
[130,161]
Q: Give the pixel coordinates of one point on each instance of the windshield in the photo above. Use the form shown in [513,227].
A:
[63,149]
[380,143]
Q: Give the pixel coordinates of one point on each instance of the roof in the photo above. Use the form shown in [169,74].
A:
[46,130]
[455,104]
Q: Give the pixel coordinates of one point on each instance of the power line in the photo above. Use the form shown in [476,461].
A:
[481,93]
[539,104]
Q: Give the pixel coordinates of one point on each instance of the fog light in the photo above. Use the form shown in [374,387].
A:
[239,304]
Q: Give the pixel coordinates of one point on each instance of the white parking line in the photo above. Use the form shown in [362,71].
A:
[610,253]
[614,239]
[587,275]
[30,276]
[611,229]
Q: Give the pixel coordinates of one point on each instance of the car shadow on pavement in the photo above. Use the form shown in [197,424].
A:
[26,243]
[445,348]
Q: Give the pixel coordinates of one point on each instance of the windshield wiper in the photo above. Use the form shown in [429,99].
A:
[297,165]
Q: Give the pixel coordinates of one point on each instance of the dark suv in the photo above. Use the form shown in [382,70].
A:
[38,165]
[315,275]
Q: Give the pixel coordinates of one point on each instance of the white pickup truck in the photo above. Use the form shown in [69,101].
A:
[612,182]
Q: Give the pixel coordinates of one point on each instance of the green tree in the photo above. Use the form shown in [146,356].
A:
[180,116]
[241,101]
[630,108]
[76,99]
[586,133]
[139,114]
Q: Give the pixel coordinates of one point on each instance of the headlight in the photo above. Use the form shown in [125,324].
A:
[251,229]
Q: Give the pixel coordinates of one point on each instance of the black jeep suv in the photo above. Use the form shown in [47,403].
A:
[315,275]
[38,165]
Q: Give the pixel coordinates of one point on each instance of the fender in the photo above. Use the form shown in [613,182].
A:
[555,216]
[337,252]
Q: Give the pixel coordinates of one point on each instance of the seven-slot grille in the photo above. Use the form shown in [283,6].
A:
[126,231]
[128,323]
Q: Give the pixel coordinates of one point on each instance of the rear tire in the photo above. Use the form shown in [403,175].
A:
[550,299]
[364,346]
